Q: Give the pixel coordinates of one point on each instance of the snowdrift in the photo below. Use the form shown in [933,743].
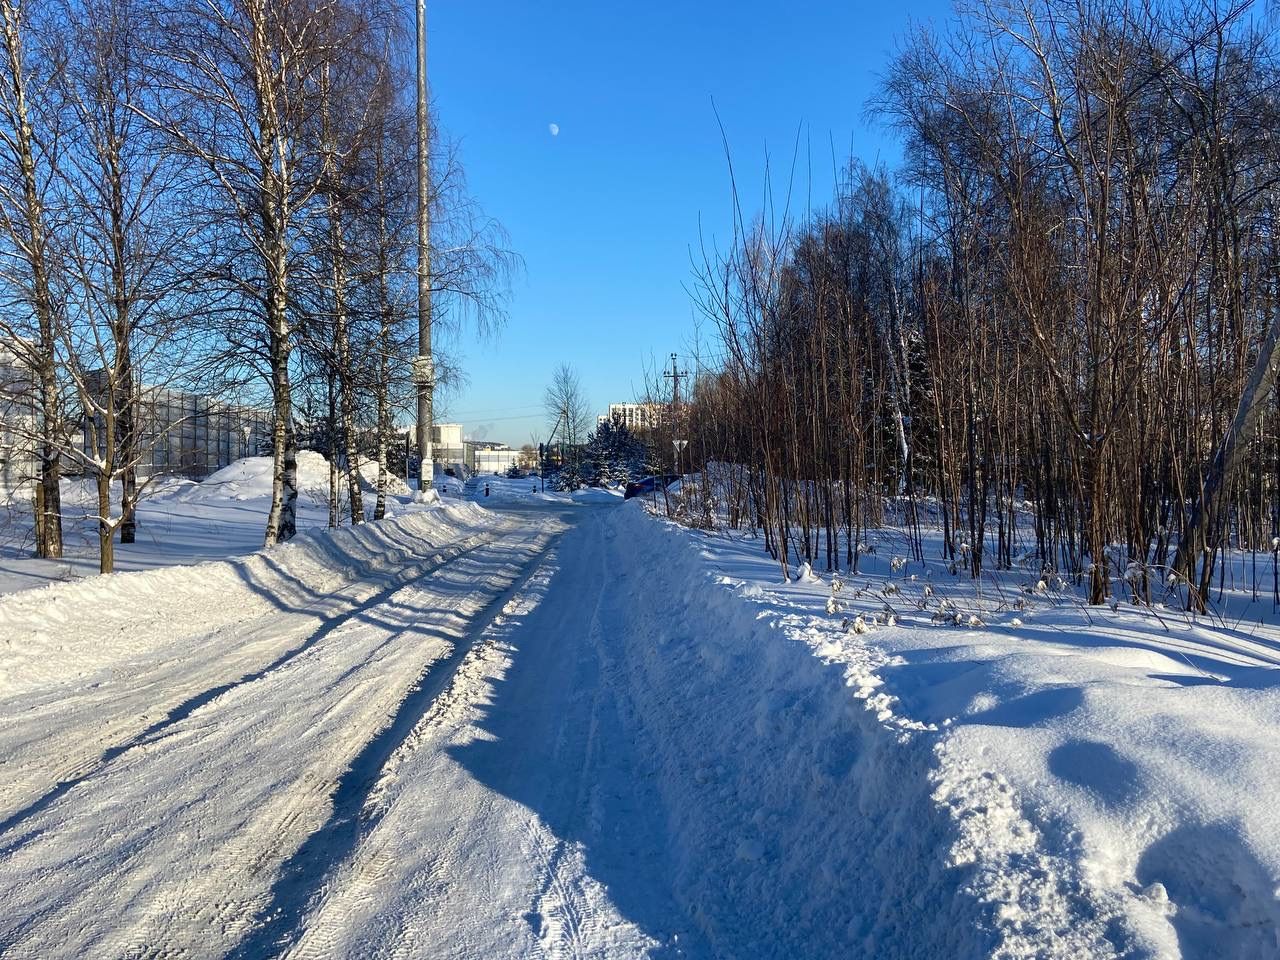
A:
[1071,786]
[154,614]
[789,782]
[250,478]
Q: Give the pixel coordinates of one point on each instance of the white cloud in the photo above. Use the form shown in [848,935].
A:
[554,128]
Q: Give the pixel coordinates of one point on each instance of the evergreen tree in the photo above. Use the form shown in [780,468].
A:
[614,454]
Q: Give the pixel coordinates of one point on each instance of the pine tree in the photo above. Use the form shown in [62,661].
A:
[614,454]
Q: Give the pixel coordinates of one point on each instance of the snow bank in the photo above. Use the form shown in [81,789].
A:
[1050,783]
[790,782]
[250,478]
[154,614]
[598,494]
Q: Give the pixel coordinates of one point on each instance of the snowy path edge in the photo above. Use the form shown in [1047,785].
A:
[903,846]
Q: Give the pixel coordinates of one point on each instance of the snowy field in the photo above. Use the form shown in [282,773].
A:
[179,521]
[532,724]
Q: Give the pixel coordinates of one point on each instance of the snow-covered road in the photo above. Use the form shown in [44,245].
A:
[517,819]
[397,762]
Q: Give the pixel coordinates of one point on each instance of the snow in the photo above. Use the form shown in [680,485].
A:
[505,491]
[170,755]
[179,521]
[250,478]
[547,724]
[1107,777]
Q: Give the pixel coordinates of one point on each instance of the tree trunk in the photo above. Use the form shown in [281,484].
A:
[106,532]
[282,518]
[48,503]
[1197,541]
[346,379]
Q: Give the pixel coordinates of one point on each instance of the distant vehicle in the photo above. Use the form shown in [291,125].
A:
[649,485]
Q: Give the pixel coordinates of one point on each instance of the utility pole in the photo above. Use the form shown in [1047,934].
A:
[542,461]
[423,365]
[675,375]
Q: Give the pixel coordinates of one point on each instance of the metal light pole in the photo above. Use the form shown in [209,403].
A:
[423,367]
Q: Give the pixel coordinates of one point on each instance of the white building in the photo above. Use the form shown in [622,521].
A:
[18,465]
[634,416]
[191,434]
[494,459]
[446,444]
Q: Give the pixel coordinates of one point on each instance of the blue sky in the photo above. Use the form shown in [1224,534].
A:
[606,213]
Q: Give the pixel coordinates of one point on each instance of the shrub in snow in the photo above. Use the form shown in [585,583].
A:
[568,479]
[833,604]
[857,625]
[806,574]
[946,613]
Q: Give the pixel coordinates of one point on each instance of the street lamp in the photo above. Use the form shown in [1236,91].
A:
[423,367]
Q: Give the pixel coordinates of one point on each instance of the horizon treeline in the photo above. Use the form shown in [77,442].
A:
[218,195]
[1052,331]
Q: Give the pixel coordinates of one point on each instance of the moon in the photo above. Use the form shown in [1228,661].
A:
[554,128]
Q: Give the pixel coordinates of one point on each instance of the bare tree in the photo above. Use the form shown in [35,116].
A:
[1062,330]
[568,414]
[122,246]
[235,94]
[28,161]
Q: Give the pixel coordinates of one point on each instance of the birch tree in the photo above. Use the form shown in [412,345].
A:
[123,246]
[29,157]
[235,96]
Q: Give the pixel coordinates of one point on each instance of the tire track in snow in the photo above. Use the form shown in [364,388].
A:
[559,912]
[304,875]
[114,874]
[503,823]
[199,626]
[333,624]
[560,902]
[355,885]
